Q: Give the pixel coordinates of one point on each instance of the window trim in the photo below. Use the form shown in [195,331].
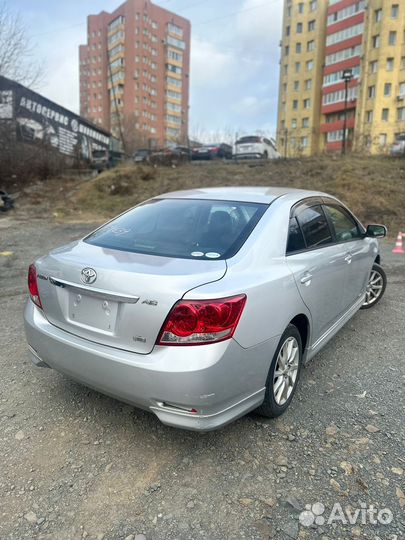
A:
[322,201]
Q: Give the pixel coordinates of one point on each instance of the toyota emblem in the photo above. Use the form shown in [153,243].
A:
[88,275]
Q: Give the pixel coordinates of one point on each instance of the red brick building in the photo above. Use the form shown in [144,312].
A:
[134,73]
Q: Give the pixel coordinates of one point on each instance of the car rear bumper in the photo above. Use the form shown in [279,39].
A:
[221,381]
[250,155]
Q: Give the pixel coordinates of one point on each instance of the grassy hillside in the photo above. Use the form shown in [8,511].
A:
[373,187]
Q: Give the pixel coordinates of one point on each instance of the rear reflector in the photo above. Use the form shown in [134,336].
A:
[196,322]
[33,286]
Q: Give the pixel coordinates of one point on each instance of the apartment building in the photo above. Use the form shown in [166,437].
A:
[134,74]
[302,56]
[368,40]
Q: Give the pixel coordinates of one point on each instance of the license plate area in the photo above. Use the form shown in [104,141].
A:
[93,312]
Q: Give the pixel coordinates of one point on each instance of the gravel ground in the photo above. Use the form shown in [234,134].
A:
[77,464]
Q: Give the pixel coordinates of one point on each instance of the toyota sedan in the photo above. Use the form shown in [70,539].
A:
[203,305]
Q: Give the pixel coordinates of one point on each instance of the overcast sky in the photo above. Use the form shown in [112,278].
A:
[234,56]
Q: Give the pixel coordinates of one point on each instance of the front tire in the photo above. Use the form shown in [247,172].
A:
[283,375]
[376,285]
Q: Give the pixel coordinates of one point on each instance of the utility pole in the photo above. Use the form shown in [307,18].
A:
[285,142]
[347,76]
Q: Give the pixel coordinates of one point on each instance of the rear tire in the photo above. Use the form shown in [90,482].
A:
[283,375]
[376,285]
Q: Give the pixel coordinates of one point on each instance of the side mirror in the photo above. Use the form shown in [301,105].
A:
[376,231]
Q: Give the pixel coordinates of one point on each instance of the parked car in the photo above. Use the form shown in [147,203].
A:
[398,147]
[142,155]
[212,151]
[255,146]
[203,305]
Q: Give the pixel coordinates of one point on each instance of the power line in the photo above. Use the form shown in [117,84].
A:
[235,13]
[62,29]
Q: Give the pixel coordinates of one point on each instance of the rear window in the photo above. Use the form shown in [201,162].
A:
[251,140]
[181,228]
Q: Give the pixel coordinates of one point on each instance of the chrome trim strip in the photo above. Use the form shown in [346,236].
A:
[98,293]
[191,415]
[354,307]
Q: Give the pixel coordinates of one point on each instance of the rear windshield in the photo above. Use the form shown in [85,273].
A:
[181,228]
[251,140]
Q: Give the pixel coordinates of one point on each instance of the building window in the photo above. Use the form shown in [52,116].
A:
[286,50]
[174,29]
[285,69]
[383,139]
[299,28]
[369,117]
[310,65]
[294,123]
[371,92]
[343,55]
[394,11]
[296,86]
[289,11]
[305,122]
[390,64]
[378,15]
[402,62]
[401,114]
[387,89]
[304,142]
[346,12]
[308,84]
[344,34]
[374,66]
[298,48]
[297,67]
[311,26]
[385,115]
[307,103]
[376,41]
[301,7]
[392,38]
[295,104]
[287,31]
[402,89]
[311,45]
[313,5]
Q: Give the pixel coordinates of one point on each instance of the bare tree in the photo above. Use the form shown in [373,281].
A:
[16,49]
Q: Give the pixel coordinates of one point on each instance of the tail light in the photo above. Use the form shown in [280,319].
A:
[33,286]
[196,322]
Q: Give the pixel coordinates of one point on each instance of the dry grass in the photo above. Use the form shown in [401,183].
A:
[373,187]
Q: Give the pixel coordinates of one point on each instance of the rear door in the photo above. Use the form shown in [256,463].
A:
[358,253]
[317,264]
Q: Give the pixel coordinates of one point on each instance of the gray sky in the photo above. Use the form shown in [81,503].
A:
[234,56]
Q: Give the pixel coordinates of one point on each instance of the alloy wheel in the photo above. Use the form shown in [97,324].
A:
[286,370]
[374,288]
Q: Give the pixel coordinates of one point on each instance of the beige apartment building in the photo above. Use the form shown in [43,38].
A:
[321,40]
[134,74]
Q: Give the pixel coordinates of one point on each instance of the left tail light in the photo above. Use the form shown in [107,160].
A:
[196,322]
[33,285]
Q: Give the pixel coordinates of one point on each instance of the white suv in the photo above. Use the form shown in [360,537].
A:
[255,146]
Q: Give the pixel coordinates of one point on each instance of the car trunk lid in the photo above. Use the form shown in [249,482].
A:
[130,298]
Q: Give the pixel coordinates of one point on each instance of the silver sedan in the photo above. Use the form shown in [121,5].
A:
[203,305]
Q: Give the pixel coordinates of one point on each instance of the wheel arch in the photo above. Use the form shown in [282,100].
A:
[301,322]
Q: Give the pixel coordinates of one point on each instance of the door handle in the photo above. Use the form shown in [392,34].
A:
[306,278]
[348,258]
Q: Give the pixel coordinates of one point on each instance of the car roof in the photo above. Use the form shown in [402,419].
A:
[258,194]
